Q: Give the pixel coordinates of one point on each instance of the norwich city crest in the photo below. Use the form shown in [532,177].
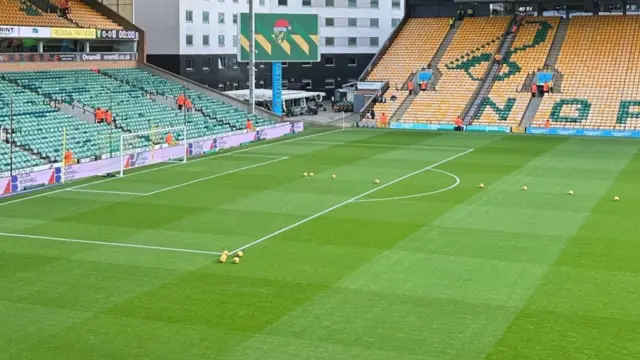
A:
[280,29]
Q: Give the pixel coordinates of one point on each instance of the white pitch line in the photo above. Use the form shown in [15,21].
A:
[107,192]
[167,166]
[348,201]
[255,155]
[110,243]
[456,183]
[383,145]
[215,176]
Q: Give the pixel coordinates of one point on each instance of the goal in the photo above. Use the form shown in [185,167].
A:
[153,147]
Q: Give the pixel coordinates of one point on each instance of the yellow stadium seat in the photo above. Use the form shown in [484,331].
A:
[600,63]
[413,49]
[86,17]
[12,12]
[475,37]
[529,52]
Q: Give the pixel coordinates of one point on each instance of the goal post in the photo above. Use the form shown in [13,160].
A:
[153,147]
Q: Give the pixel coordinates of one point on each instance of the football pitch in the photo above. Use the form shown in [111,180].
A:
[424,264]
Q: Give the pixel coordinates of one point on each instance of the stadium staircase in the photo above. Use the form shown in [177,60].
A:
[435,61]
[550,63]
[465,63]
[485,86]
[165,92]
[600,61]
[411,50]
[436,73]
[39,127]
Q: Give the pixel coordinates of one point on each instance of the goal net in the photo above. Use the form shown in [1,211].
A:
[152,147]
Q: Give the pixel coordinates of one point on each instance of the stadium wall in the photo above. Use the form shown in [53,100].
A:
[35,66]
[443,8]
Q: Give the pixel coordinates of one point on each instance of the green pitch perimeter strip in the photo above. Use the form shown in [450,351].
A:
[266,160]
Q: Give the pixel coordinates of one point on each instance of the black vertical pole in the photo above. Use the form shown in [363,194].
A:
[184,107]
[11,132]
[111,125]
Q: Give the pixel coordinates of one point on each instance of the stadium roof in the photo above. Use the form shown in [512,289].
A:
[266,95]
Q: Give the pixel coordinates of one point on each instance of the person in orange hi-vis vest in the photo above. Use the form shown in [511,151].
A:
[169,139]
[102,114]
[384,119]
[410,86]
[545,87]
[534,90]
[108,117]
[423,85]
[188,104]
[459,121]
[96,113]
[250,125]
[68,157]
[180,102]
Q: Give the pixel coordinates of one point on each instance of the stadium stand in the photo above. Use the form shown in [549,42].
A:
[86,17]
[20,158]
[411,50]
[600,63]
[463,67]
[217,110]
[126,92]
[14,12]
[133,111]
[39,127]
[507,101]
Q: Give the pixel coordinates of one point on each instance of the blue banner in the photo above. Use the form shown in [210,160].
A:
[420,126]
[489,128]
[424,75]
[584,132]
[544,77]
[276,86]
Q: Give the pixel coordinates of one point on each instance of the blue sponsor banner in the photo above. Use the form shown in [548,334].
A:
[544,77]
[276,86]
[489,128]
[425,75]
[420,126]
[584,132]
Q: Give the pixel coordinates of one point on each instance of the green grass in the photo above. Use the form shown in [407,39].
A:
[494,273]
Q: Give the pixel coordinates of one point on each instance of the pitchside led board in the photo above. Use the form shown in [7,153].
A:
[281,37]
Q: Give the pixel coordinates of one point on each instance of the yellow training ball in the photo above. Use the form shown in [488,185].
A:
[333,176]
[481,186]
[615,198]
[310,174]
[223,258]
[236,260]
[524,188]
[240,254]
[305,174]
[376,181]
[570,192]
[225,253]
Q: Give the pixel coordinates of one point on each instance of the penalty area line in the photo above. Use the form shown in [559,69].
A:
[216,175]
[107,192]
[216,156]
[353,199]
[95,242]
